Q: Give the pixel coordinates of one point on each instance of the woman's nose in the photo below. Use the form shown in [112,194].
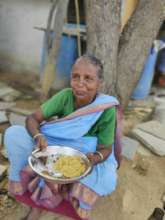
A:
[81,81]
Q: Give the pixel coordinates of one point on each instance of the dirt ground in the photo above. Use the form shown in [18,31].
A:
[141,182]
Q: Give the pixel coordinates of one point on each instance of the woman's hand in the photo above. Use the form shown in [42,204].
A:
[41,142]
[33,122]
[99,155]
[94,159]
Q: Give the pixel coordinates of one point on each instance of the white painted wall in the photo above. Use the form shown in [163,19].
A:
[20,43]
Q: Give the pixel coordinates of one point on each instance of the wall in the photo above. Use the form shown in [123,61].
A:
[20,43]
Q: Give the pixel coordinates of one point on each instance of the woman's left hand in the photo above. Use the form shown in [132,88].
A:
[100,155]
[94,159]
[90,157]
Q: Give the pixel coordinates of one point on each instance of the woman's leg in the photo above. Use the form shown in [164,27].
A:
[100,182]
[19,145]
[82,199]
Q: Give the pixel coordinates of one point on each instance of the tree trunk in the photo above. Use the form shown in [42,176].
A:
[103,23]
[134,45]
[123,57]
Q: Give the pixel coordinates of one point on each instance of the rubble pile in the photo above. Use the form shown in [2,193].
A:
[10,114]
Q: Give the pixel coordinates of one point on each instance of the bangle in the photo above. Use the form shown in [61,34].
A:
[36,135]
[100,154]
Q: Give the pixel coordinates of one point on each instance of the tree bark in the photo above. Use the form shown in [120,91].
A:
[123,56]
[103,30]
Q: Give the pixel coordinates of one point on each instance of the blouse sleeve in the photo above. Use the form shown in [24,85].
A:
[55,105]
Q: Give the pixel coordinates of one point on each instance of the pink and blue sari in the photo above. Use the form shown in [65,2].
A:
[69,131]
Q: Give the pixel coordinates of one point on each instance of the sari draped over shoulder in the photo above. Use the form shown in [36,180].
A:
[69,131]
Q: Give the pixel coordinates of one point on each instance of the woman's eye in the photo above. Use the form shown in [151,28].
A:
[89,79]
[75,77]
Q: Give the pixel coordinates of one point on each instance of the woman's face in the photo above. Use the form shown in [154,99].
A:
[84,81]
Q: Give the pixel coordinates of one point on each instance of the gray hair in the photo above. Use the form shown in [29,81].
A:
[94,61]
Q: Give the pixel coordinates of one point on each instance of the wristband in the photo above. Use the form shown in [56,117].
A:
[100,154]
[36,135]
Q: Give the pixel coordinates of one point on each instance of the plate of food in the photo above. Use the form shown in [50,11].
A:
[60,164]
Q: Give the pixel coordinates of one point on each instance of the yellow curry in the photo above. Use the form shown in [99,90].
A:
[70,166]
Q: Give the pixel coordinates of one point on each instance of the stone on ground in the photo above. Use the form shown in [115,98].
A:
[16,119]
[5,90]
[12,96]
[3,117]
[3,170]
[154,143]
[143,151]
[154,128]
[21,111]
[3,152]
[6,105]
[129,147]
[7,93]
[159,114]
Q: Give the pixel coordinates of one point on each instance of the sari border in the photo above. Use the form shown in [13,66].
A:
[84,194]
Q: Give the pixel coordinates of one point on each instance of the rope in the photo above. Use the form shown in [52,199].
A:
[78,27]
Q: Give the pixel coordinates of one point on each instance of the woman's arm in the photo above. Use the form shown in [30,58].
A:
[33,122]
[105,133]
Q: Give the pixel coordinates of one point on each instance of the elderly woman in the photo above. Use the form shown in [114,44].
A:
[88,124]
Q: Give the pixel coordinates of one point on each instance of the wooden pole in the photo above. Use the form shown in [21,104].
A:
[49,22]
[49,72]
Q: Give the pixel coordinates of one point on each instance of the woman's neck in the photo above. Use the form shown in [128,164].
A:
[82,103]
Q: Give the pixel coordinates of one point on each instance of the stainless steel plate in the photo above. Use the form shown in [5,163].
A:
[53,151]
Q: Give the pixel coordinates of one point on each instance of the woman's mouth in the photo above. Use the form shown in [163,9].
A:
[80,93]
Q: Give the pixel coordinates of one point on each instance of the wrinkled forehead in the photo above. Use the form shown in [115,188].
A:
[81,61]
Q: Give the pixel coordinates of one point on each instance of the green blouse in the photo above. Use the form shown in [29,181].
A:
[62,104]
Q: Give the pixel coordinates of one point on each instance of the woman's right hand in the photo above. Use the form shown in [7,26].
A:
[41,142]
[33,122]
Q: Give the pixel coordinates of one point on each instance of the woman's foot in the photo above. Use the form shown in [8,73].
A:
[82,213]
[34,214]
[15,188]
